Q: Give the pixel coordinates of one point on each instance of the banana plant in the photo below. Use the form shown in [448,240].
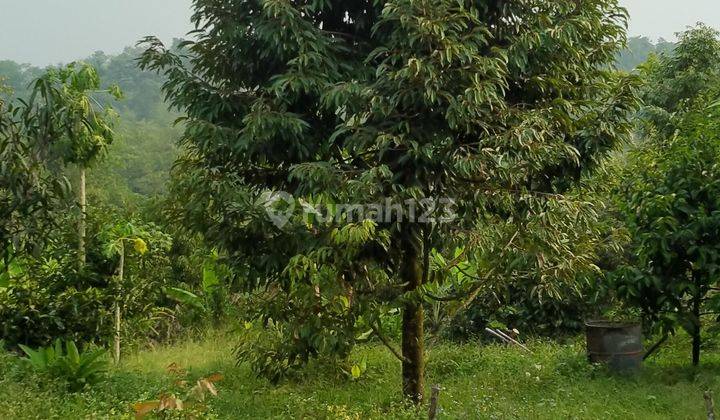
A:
[212,274]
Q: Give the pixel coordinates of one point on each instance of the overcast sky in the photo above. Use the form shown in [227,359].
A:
[44,32]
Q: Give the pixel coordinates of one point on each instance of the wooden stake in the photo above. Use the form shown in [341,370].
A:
[434,397]
[709,405]
[118,318]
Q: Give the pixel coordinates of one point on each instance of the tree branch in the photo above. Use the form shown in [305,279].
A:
[387,343]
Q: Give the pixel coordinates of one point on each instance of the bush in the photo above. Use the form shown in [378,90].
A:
[54,303]
[50,298]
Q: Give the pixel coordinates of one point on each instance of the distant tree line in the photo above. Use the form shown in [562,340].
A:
[140,160]
[639,49]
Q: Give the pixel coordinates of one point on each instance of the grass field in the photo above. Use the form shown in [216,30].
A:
[477,382]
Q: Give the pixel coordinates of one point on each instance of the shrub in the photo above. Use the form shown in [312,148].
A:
[66,363]
[54,303]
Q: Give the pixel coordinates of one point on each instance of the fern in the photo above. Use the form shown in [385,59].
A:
[68,364]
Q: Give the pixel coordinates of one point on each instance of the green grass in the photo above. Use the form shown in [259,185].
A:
[477,382]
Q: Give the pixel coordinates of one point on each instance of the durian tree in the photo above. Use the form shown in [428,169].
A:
[479,115]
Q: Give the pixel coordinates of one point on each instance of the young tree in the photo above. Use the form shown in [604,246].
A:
[672,190]
[391,105]
[676,79]
[31,192]
[116,237]
[672,202]
[81,123]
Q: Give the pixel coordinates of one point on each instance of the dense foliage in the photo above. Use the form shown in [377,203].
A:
[44,293]
[31,190]
[671,190]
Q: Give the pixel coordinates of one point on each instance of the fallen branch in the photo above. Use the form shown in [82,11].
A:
[506,338]
[655,347]
[512,340]
[493,332]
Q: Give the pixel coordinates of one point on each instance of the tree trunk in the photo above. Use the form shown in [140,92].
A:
[82,198]
[118,318]
[413,366]
[696,333]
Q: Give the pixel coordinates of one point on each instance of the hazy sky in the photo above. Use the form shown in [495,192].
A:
[51,31]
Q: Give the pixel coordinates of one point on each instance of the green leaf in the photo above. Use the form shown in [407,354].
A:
[355,371]
[209,276]
[72,352]
[185,297]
